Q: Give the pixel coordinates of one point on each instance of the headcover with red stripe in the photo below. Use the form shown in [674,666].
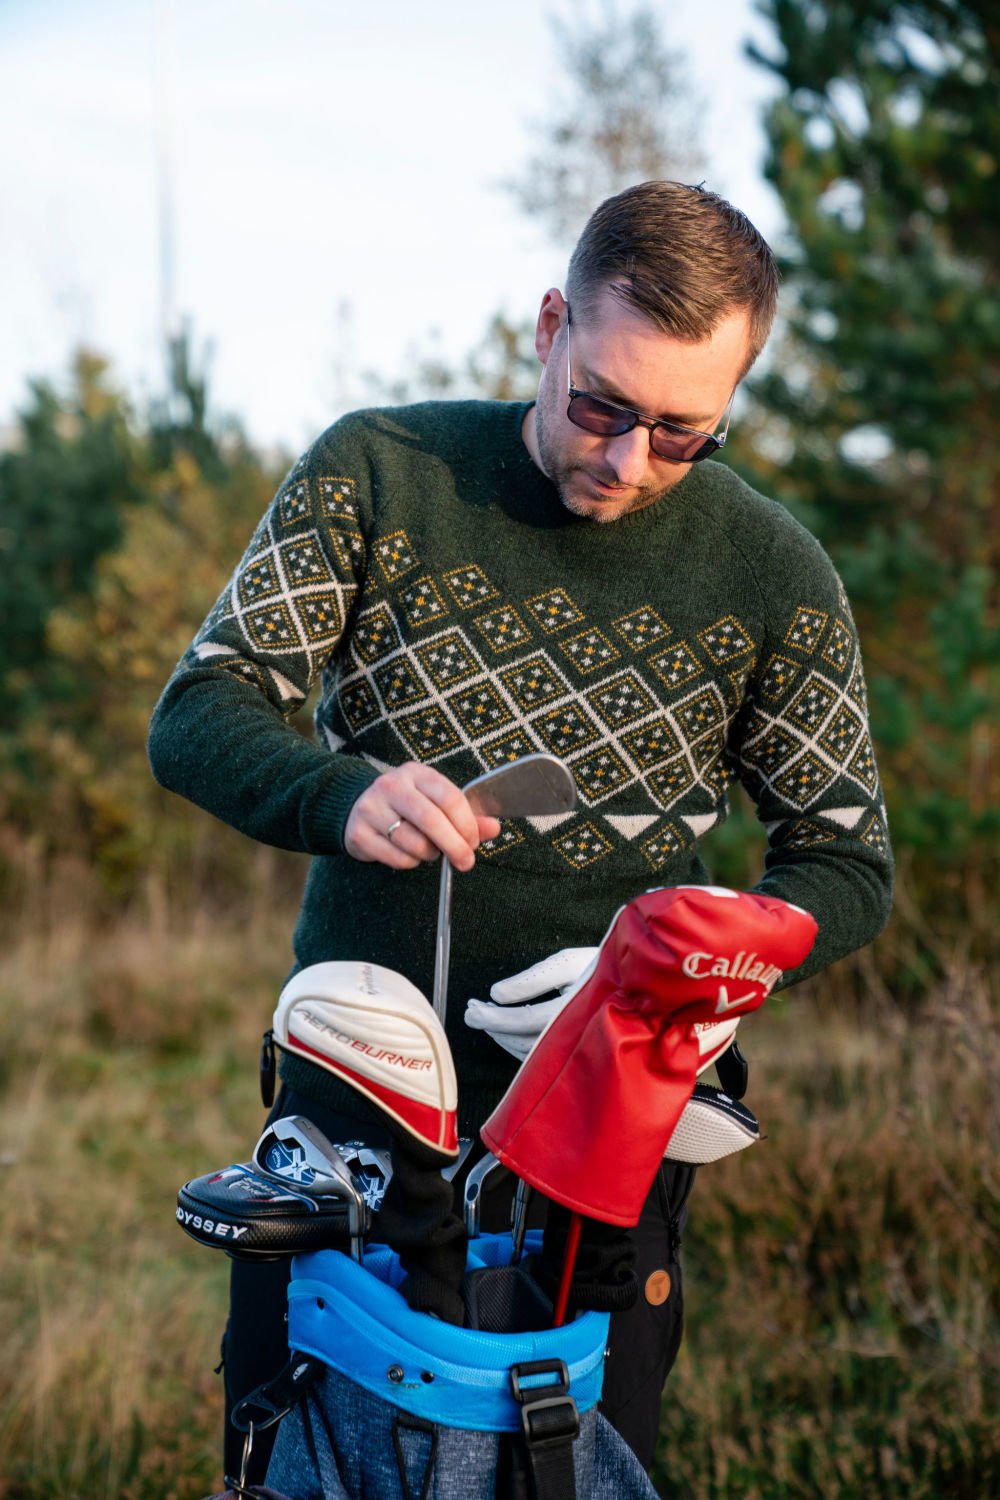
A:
[590,1113]
[378,1033]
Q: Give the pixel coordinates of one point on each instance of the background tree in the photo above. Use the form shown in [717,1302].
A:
[884,145]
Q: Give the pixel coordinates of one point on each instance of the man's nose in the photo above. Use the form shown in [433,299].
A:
[628,455]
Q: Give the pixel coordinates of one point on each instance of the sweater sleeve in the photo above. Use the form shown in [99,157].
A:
[221,733]
[803,750]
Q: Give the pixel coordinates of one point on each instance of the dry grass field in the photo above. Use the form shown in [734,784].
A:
[841,1276]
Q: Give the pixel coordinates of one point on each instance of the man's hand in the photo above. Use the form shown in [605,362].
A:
[411,814]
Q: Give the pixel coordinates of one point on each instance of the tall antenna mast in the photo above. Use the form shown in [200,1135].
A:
[164,192]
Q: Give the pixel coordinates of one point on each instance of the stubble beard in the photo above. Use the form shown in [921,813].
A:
[565,477]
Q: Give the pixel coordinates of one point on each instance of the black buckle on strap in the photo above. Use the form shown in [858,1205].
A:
[549,1416]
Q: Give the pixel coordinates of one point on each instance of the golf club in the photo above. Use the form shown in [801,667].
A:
[294,1150]
[474,1192]
[534,785]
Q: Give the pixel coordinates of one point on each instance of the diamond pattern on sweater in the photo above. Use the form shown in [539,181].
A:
[813,703]
[375,634]
[583,845]
[272,629]
[875,835]
[652,743]
[422,603]
[668,785]
[428,732]
[449,658]
[590,651]
[395,555]
[676,666]
[664,845]
[534,682]
[600,773]
[508,838]
[469,586]
[398,685]
[621,700]
[294,506]
[566,729]
[802,834]
[259,581]
[806,629]
[503,629]
[350,551]
[641,628]
[838,647]
[777,677]
[725,639]
[842,734]
[701,712]
[338,498]
[862,766]
[359,704]
[553,610]
[479,709]
[805,781]
[509,747]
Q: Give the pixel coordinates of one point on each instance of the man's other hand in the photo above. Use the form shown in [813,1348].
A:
[411,814]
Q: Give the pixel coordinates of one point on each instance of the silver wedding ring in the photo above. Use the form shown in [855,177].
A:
[392,828]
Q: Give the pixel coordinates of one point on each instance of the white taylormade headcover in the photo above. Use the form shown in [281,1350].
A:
[374,1030]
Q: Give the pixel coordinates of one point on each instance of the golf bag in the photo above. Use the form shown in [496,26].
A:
[403,1405]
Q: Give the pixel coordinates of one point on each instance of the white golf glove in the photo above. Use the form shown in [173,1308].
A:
[517,1030]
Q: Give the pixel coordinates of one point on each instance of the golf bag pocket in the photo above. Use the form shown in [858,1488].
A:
[411,1406]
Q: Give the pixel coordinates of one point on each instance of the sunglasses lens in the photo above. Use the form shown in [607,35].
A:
[594,416]
[682,447]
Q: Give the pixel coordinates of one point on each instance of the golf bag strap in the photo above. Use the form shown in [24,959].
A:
[268,1405]
[550,1424]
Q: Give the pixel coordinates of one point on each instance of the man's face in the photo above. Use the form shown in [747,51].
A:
[619,356]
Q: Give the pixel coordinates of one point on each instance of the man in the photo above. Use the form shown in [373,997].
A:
[474,581]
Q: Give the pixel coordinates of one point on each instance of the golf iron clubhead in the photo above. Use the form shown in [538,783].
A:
[533,786]
[473,1195]
[295,1152]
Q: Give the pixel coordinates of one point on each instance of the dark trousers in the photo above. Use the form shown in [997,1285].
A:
[642,1343]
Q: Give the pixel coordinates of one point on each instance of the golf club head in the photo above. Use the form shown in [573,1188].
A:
[371,1169]
[532,786]
[528,787]
[472,1198]
[295,1151]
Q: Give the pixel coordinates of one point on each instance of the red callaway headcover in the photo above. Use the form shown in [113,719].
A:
[590,1113]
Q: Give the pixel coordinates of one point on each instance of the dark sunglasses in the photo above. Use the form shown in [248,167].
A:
[669,440]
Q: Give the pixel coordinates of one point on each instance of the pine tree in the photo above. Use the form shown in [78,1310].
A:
[884,146]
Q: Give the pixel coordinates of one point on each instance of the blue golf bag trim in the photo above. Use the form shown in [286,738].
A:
[354,1318]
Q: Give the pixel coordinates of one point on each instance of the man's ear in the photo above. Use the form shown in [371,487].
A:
[551,317]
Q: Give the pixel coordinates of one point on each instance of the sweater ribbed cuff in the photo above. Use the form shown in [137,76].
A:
[324,819]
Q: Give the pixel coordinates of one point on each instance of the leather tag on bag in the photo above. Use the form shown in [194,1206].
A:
[657,1288]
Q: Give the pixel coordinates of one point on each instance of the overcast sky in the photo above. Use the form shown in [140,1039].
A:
[317,159]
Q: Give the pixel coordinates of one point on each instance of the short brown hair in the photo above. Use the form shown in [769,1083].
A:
[681,256]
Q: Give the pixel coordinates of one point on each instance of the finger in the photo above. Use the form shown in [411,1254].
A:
[561,968]
[529,1021]
[448,824]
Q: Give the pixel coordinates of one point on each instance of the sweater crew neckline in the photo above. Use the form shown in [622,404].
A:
[538,499]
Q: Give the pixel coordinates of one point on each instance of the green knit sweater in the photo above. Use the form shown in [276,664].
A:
[419,563]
